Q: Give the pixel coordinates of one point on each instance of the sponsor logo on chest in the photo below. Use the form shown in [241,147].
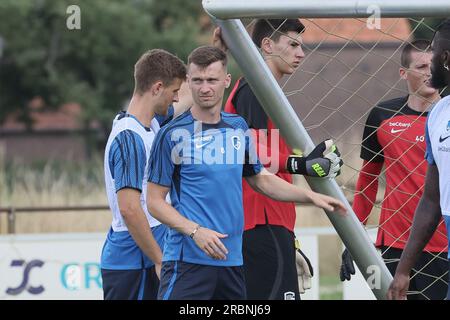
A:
[200,142]
[398,126]
[446,134]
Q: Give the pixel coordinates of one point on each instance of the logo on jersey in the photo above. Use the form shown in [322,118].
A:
[289,295]
[236,141]
[203,141]
[397,130]
[443,149]
[404,125]
[446,135]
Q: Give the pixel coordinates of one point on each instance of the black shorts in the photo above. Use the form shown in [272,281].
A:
[448,290]
[187,281]
[140,284]
[429,278]
[269,263]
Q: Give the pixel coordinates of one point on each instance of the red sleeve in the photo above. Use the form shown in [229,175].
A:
[243,102]
[366,189]
[260,136]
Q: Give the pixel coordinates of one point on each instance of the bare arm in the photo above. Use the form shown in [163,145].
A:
[426,220]
[164,212]
[207,240]
[278,189]
[137,224]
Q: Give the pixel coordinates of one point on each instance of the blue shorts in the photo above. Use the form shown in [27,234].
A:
[187,281]
[142,284]
[127,273]
[120,252]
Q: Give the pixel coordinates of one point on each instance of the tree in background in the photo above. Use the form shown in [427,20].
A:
[92,66]
[424,28]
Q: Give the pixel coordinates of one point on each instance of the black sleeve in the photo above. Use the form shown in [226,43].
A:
[249,108]
[371,149]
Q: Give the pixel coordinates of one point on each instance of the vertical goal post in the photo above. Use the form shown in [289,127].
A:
[226,14]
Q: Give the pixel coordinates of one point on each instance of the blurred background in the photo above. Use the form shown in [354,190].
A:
[62,80]
[60,90]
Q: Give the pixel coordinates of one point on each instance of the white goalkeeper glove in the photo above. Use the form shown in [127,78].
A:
[304,270]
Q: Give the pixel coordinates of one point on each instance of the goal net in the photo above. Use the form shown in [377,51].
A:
[350,68]
[352,65]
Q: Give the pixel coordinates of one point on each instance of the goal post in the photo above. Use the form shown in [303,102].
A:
[268,9]
[279,110]
[226,14]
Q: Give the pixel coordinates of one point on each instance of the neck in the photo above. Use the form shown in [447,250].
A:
[142,109]
[421,104]
[276,73]
[206,115]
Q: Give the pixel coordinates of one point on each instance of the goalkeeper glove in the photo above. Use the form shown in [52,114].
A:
[324,161]
[304,270]
[347,266]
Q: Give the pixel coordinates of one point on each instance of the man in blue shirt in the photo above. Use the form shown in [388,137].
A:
[131,255]
[435,201]
[201,157]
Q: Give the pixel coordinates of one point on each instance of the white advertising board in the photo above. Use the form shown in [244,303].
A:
[66,266]
[51,266]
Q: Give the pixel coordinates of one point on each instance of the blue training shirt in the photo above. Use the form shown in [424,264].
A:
[437,137]
[164,119]
[126,159]
[203,165]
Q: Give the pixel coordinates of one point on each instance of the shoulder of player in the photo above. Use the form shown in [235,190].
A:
[243,89]
[442,105]
[122,122]
[129,136]
[387,109]
[127,142]
[234,120]
[182,120]
[392,105]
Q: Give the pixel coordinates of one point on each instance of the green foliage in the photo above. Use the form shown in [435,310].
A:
[424,28]
[94,65]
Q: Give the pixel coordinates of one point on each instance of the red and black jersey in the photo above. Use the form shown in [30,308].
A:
[259,209]
[394,136]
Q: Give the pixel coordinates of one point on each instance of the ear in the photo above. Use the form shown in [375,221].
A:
[227,80]
[445,58]
[267,46]
[403,74]
[157,88]
[188,81]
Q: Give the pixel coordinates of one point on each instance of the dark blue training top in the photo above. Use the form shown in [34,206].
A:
[203,165]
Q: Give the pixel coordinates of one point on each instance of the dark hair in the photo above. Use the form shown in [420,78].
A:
[419,45]
[157,65]
[206,55]
[273,28]
[444,27]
